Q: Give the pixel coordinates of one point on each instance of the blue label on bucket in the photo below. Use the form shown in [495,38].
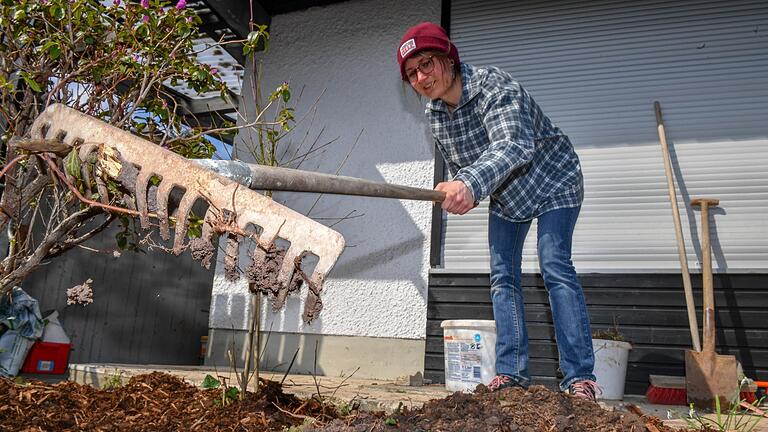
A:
[45,365]
[477,337]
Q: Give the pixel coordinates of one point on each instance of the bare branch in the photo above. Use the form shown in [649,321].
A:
[41,252]
[72,242]
[40,146]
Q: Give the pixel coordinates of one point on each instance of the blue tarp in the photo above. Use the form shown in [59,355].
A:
[20,325]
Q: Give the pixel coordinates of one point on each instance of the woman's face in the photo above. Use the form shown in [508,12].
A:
[429,75]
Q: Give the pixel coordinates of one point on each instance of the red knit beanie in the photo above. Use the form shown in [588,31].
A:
[421,37]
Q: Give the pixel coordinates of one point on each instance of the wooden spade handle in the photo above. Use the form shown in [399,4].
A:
[708,318]
[681,254]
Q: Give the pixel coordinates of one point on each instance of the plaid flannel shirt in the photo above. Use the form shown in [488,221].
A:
[500,144]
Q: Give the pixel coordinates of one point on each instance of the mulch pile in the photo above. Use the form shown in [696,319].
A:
[509,410]
[162,402]
[152,402]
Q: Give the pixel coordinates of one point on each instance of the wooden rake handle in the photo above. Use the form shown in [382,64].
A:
[263,177]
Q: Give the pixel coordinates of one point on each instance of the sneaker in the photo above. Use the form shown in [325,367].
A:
[586,389]
[501,382]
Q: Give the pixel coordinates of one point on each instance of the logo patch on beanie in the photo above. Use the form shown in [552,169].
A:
[407,47]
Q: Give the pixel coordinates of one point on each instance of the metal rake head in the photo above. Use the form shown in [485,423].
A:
[232,209]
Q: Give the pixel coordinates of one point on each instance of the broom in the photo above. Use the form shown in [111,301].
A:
[670,390]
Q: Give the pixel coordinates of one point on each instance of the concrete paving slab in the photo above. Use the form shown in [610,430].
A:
[368,394]
[675,415]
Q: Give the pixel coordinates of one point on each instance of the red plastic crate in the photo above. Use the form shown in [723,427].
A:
[47,358]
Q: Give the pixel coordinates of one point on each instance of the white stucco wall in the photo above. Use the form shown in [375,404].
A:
[340,63]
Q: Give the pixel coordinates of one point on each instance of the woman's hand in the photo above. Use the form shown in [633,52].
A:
[458,197]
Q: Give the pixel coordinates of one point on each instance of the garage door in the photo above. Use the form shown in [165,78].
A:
[596,68]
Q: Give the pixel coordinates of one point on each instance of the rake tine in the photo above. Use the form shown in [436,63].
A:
[142,184]
[207,232]
[231,255]
[87,178]
[182,213]
[101,187]
[287,274]
[163,195]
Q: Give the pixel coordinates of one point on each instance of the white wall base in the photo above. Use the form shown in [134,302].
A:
[377,358]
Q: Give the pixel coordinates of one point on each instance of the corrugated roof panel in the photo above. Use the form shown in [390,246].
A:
[228,69]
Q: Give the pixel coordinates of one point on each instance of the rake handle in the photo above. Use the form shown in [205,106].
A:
[261,177]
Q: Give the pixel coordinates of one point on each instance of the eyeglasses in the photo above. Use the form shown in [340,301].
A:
[425,67]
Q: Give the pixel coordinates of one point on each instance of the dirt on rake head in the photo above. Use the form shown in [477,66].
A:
[156,176]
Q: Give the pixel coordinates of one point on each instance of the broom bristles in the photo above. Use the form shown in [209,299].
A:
[666,396]
[678,396]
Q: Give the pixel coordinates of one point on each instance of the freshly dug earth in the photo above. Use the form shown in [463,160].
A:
[509,410]
[152,402]
[162,402]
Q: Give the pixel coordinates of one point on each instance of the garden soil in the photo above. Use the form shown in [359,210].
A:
[162,402]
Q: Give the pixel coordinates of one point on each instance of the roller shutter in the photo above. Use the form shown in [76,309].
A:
[596,68]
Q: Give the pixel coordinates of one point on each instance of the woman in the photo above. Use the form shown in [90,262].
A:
[497,142]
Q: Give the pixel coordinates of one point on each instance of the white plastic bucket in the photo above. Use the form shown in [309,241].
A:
[611,367]
[470,353]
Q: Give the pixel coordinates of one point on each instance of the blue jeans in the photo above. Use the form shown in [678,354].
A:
[566,298]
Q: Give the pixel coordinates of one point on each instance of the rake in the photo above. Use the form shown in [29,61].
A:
[233,210]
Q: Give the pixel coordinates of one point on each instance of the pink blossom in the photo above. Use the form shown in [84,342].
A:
[181,4]
[117,3]
[145,19]
[145,3]
[214,71]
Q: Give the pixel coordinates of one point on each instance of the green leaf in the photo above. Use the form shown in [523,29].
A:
[286,95]
[142,31]
[210,382]
[194,232]
[194,226]
[390,421]
[232,393]
[72,164]
[31,82]
[200,75]
[57,12]
[184,31]
[54,52]
[155,180]
[19,15]
[253,37]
